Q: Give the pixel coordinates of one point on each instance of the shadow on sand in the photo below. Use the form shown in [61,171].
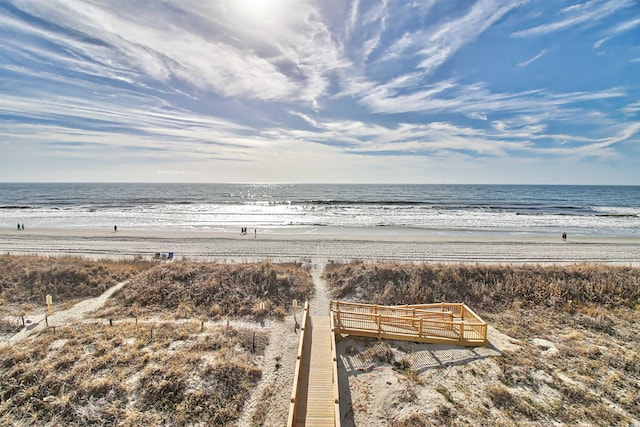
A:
[357,355]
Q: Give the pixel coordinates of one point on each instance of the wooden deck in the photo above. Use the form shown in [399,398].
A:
[433,323]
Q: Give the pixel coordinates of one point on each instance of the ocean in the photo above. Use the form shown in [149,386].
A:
[458,210]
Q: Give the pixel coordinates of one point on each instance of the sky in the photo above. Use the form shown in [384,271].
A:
[362,91]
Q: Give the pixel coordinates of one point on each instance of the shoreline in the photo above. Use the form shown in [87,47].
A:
[281,246]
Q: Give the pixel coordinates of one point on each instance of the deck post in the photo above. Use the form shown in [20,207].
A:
[379,324]
[461,330]
[420,328]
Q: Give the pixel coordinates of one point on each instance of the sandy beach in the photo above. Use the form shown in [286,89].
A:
[308,245]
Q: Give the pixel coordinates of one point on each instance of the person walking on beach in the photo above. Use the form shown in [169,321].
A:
[22,227]
[564,236]
[115,228]
[255,233]
[18,226]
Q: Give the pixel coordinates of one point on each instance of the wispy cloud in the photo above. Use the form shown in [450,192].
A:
[626,26]
[467,99]
[588,13]
[529,61]
[631,109]
[106,36]
[600,42]
[436,45]
[478,116]
[617,30]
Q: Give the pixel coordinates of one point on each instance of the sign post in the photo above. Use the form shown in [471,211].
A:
[49,302]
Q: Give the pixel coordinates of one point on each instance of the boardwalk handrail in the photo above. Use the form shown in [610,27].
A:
[334,363]
[401,311]
[296,375]
[437,323]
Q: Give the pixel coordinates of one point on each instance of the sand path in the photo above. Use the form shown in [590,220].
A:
[271,396]
[37,320]
[319,304]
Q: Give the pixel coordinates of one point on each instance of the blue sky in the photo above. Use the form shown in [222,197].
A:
[448,91]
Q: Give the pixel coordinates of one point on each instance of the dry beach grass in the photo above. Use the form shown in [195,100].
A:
[488,287]
[211,290]
[129,374]
[27,279]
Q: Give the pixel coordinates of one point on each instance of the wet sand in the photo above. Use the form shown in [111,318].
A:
[283,246]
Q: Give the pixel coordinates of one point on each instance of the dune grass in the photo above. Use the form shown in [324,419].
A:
[211,290]
[28,279]
[129,374]
[589,313]
[488,287]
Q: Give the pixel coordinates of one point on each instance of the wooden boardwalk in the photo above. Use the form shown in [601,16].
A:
[314,401]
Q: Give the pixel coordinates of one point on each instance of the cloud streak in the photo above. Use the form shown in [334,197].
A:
[588,13]
[534,59]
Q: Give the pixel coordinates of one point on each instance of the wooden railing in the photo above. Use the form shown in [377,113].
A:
[436,323]
[336,388]
[472,321]
[437,312]
[304,335]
